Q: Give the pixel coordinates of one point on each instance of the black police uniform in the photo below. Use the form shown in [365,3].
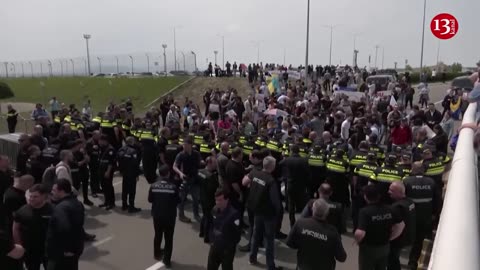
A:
[405,209]
[377,221]
[318,244]
[434,168]
[224,237]
[148,139]
[335,214]
[33,224]
[35,169]
[80,174]
[164,197]
[337,169]
[383,177]
[298,175]
[208,186]
[316,163]
[171,151]
[93,151]
[12,120]
[378,150]
[424,193]
[129,162]
[363,173]
[406,168]
[107,158]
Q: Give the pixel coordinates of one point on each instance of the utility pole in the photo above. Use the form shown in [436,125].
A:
[423,34]
[383,55]
[164,46]
[175,48]
[306,46]
[376,53]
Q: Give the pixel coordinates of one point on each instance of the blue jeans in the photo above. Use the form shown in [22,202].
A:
[194,191]
[264,226]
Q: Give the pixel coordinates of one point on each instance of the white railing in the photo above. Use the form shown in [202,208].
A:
[457,241]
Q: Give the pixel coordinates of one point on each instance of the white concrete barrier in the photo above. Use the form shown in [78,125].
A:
[457,241]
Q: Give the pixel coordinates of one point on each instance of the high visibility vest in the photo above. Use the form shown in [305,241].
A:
[67,118]
[260,142]
[247,149]
[97,119]
[386,176]
[242,139]
[378,151]
[365,170]
[198,139]
[307,141]
[316,160]
[273,146]
[434,168]
[357,159]
[147,135]
[205,148]
[57,120]
[336,165]
[106,123]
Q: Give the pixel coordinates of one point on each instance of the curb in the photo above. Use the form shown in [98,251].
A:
[168,92]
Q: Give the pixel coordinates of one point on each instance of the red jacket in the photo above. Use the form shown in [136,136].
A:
[401,135]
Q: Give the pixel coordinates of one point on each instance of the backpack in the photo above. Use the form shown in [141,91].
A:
[49,177]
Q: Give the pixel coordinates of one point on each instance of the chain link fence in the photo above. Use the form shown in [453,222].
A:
[136,63]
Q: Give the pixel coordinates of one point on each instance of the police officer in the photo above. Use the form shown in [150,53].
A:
[93,151]
[405,209]
[335,212]
[12,116]
[374,147]
[434,166]
[79,169]
[423,192]
[361,177]
[377,225]
[129,162]
[316,164]
[208,186]
[405,163]
[385,175]
[148,140]
[317,242]
[360,156]
[163,195]
[224,234]
[105,170]
[337,169]
[265,203]
[298,175]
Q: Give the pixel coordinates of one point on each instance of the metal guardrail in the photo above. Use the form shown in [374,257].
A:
[457,241]
[24,125]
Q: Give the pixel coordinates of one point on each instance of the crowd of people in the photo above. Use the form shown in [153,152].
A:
[297,149]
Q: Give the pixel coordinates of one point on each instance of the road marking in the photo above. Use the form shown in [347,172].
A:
[156,266]
[100,242]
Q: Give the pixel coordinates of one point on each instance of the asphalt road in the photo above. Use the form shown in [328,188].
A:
[125,241]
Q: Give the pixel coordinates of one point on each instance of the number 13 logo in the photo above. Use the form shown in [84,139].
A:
[444,26]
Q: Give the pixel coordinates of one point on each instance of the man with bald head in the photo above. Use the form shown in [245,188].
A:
[405,209]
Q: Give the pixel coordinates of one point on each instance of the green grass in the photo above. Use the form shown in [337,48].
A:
[99,90]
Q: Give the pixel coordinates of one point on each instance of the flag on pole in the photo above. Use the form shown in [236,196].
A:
[393,102]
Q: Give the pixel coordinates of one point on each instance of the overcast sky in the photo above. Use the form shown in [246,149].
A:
[50,29]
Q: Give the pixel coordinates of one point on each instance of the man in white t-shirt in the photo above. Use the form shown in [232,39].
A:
[345,129]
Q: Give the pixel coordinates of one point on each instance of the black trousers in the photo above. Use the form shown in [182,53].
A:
[108,190]
[394,257]
[296,200]
[33,262]
[94,179]
[11,126]
[423,231]
[206,222]
[129,189]
[163,229]
[78,180]
[408,99]
[64,263]
[150,163]
[223,257]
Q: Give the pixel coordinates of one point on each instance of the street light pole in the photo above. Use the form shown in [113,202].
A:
[85,63]
[131,59]
[223,51]
[284,56]
[14,70]
[215,52]
[148,62]
[307,41]
[73,67]
[331,41]
[41,69]
[195,60]
[423,34]
[31,69]
[99,64]
[164,46]
[376,52]
[116,58]
[383,55]
[50,68]
[61,67]
[87,37]
[23,72]
[6,69]
[183,61]
[175,48]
